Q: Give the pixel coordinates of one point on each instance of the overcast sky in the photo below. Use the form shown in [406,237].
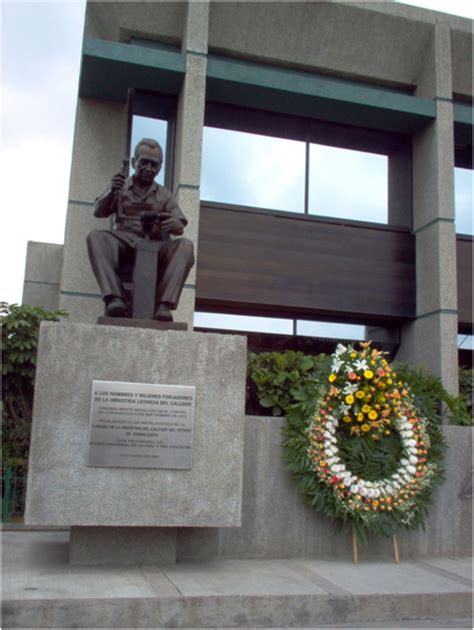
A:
[41,44]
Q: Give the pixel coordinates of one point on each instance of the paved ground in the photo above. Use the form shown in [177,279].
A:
[40,589]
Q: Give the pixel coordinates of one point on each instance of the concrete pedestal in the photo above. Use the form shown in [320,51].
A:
[63,490]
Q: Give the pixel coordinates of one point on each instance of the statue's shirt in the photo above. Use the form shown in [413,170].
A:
[120,204]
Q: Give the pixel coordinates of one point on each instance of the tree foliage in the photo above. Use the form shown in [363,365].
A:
[20,331]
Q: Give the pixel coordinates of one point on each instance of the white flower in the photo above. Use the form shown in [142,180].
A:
[340,349]
[411,469]
[361,364]
[350,388]
[336,364]
[354,489]
[344,409]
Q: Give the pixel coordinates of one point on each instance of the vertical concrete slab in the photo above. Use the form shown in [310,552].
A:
[189,129]
[432,338]
[99,147]
[42,275]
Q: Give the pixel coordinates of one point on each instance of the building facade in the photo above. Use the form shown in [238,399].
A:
[378,77]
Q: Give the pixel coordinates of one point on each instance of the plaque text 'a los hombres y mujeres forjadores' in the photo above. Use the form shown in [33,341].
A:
[140,425]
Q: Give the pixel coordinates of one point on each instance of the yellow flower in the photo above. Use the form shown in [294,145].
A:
[360,394]
[332,378]
[373,415]
[365,428]
[347,418]
[349,399]
[366,408]
[389,381]
[353,355]
[375,503]
[368,374]
[360,417]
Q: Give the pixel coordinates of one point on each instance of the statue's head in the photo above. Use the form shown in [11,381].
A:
[147,160]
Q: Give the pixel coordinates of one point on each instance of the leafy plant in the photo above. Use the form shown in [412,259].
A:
[20,330]
[466,388]
[283,378]
[432,398]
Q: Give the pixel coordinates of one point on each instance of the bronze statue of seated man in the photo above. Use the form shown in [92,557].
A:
[140,205]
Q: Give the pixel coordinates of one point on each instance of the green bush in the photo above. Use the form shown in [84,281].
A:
[20,330]
[279,380]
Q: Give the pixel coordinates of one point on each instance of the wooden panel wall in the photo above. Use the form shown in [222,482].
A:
[261,263]
[464,251]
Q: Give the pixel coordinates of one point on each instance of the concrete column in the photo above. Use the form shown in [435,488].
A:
[99,146]
[189,130]
[432,339]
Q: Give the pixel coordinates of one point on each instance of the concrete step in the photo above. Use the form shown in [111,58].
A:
[41,590]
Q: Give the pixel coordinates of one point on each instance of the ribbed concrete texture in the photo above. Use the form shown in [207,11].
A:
[63,490]
[41,590]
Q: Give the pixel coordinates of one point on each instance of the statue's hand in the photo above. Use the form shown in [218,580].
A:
[117,181]
[168,223]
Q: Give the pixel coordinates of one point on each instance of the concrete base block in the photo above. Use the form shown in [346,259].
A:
[108,546]
[64,490]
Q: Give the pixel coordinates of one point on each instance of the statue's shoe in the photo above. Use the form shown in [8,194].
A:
[116,308]
[163,314]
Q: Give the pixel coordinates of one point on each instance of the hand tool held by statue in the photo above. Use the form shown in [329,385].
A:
[145,215]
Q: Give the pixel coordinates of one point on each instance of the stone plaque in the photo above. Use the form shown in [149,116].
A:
[139,425]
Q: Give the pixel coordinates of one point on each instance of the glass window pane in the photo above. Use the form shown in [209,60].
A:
[252,170]
[330,330]
[466,342]
[463,185]
[244,322]
[348,184]
[150,128]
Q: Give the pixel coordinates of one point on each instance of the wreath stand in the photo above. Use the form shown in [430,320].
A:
[355,549]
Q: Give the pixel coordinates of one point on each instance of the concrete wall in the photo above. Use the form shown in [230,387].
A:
[276,523]
[118,21]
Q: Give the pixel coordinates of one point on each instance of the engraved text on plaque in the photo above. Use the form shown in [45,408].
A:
[139,425]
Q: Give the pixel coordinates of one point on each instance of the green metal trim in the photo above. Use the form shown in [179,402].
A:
[110,68]
[80,294]
[433,222]
[307,94]
[189,286]
[463,113]
[440,311]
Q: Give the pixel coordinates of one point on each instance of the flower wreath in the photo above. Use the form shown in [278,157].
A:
[364,408]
